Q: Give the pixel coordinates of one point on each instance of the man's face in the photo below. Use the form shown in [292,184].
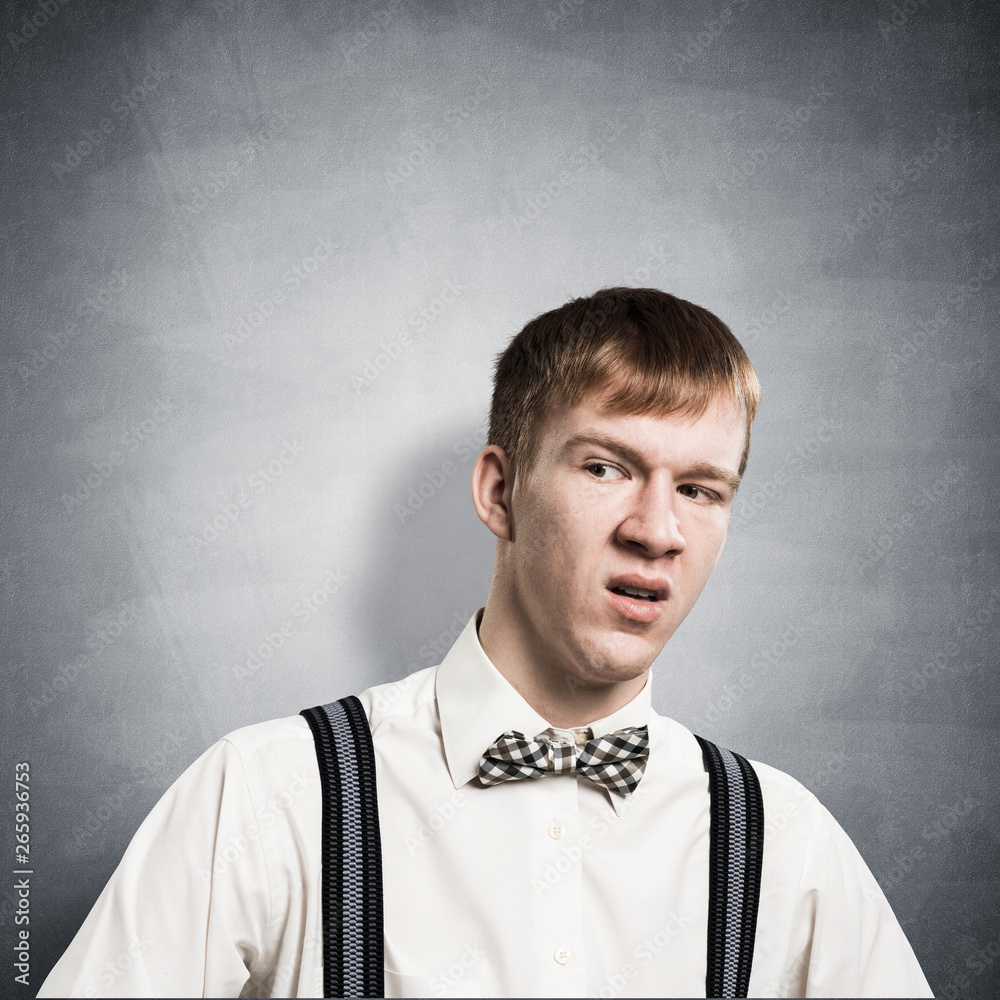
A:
[615,504]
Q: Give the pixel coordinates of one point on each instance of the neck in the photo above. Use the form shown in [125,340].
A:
[563,698]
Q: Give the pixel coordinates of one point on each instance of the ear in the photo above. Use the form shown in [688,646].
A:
[491,491]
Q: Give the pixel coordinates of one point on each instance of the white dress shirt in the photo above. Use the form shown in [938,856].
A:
[555,887]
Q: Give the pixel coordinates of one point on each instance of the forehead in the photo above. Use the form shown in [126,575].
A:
[716,435]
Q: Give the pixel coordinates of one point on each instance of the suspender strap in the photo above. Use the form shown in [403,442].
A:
[352,853]
[352,859]
[736,850]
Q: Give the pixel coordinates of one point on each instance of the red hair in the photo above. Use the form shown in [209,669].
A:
[643,350]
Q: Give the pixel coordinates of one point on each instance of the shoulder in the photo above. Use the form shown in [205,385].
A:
[793,815]
[288,742]
[805,848]
[273,764]
[383,702]
[800,833]
[408,702]
[275,734]
[791,810]
[276,742]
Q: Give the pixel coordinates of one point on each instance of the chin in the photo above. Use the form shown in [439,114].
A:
[618,656]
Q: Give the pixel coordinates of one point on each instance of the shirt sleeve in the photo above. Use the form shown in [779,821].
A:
[856,947]
[186,912]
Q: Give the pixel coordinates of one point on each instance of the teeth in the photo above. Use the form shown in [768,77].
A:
[635,592]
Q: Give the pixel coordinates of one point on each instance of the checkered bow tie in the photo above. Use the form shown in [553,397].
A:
[616,761]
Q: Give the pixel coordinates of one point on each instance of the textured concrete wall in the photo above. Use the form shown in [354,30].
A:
[257,260]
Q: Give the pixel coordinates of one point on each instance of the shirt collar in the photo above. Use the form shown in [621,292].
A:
[477,704]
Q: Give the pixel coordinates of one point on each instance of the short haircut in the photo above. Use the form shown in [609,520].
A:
[642,350]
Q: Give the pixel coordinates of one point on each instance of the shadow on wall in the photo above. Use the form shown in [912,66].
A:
[431,560]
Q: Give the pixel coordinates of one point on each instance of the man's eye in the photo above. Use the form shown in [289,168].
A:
[602,470]
[695,492]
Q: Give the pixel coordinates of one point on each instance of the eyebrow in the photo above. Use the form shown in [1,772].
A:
[700,470]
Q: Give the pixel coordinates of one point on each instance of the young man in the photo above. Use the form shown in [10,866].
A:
[619,431]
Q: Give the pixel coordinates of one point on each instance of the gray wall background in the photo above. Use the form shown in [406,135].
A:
[257,261]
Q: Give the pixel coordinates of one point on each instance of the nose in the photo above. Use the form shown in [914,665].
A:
[652,526]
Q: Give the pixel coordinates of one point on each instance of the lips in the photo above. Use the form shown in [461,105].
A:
[638,598]
[650,588]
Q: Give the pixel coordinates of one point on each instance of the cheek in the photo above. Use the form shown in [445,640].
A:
[536,539]
[581,524]
[721,545]
[715,540]
[558,540]
[705,534]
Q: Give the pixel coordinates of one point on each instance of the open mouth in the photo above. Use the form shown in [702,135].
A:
[644,605]
[636,593]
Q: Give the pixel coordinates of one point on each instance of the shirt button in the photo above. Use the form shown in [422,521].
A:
[556,830]
[562,955]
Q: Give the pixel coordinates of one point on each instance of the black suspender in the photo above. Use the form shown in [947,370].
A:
[352,851]
[736,849]
[352,859]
